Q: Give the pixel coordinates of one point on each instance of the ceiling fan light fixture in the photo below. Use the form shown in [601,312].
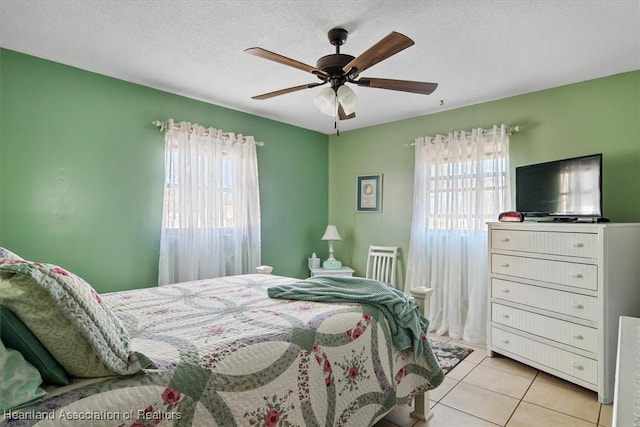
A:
[325,101]
[348,99]
[337,69]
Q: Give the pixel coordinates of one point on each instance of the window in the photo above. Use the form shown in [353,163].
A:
[174,192]
[463,193]
[211,209]
[461,183]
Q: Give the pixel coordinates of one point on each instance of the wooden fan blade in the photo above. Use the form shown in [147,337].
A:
[285,91]
[271,56]
[388,46]
[344,116]
[424,88]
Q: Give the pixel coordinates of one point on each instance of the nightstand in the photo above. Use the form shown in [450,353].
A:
[344,271]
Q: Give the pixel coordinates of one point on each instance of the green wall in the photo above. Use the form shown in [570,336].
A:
[81,173]
[597,116]
[81,167]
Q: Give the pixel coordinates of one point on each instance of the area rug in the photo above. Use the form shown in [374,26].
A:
[449,355]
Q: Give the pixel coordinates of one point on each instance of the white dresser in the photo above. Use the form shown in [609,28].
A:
[556,292]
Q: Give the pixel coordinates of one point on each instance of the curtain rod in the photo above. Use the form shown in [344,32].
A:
[165,125]
[510,130]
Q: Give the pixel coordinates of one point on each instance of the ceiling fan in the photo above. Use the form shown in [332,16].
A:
[338,69]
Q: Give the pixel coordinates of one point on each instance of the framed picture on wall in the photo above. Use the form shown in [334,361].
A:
[369,193]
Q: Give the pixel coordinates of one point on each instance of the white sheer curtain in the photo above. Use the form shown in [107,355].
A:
[461,183]
[211,212]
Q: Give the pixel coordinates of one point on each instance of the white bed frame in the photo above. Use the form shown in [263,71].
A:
[421,408]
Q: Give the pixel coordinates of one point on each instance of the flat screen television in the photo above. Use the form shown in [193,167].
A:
[566,189]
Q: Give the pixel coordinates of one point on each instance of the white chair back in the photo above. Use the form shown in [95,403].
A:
[381,264]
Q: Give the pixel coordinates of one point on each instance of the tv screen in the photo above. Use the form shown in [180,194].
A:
[567,188]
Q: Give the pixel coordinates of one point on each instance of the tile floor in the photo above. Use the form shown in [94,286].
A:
[497,391]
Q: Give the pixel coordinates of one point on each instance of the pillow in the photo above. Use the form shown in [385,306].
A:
[17,336]
[6,253]
[19,381]
[68,317]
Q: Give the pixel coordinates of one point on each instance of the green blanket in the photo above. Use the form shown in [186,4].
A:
[408,326]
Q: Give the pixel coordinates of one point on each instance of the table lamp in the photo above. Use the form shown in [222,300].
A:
[331,234]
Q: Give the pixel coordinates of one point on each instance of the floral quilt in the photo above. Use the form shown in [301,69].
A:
[219,352]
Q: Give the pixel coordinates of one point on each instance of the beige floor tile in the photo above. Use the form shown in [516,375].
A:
[484,392]
[499,381]
[481,403]
[581,403]
[469,344]
[444,388]
[441,338]
[461,371]
[529,415]
[399,417]
[606,415]
[444,416]
[477,356]
[557,381]
[509,365]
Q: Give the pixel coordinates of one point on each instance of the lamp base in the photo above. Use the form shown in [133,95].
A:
[332,264]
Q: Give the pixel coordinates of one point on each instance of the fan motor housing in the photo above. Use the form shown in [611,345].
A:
[333,64]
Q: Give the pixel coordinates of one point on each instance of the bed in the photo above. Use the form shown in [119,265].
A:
[220,352]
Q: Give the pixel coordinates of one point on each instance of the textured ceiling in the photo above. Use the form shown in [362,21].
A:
[476,50]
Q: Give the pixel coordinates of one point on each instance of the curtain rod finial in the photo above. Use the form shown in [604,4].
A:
[516,128]
[159,124]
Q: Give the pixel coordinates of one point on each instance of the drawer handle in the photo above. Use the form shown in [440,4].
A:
[578,336]
[505,265]
[506,291]
[505,341]
[577,366]
[577,305]
[578,245]
[578,276]
[506,239]
[506,316]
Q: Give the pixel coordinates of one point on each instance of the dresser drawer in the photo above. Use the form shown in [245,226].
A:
[577,305]
[564,273]
[564,361]
[568,333]
[583,245]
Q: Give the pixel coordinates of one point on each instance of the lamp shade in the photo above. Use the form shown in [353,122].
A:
[347,99]
[325,101]
[331,233]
